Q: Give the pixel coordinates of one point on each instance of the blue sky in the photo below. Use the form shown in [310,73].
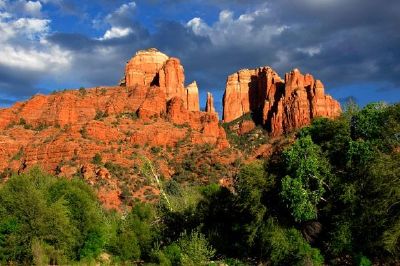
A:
[353,46]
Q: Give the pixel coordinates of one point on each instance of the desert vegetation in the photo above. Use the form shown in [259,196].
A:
[331,197]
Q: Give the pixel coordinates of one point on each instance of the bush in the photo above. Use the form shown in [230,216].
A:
[97,159]
[100,115]
[48,220]
[134,234]
[82,91]
[287,246]
[194,249]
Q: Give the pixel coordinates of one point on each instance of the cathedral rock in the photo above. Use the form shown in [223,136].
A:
[153,68]
[279,105]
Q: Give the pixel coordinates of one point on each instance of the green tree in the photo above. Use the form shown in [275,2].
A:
[195,249]
[42,217]
[303,187]
[134,234]
[26,215]
[251,184]
[287,246]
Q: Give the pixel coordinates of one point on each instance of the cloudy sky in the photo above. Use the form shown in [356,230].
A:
[353,46]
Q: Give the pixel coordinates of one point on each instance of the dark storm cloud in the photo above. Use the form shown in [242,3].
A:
[358,39]
[357,42]
[17,83]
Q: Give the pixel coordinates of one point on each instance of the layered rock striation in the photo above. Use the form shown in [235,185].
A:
[279,105]
[153,108]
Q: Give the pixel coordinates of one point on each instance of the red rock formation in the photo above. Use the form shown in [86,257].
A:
[172,78]
[143,68]
[154,104]
[153,68]
[210,103]
[279,106]
[247,90]
[192,97]
[75,125]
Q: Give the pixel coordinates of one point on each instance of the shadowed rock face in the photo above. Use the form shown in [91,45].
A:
[279,105]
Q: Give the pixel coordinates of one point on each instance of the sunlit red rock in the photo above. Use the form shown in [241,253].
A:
[144,67]
[192,97]
[281,106]
[210,103]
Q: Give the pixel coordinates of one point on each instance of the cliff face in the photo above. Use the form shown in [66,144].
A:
[279,105]
[152,109]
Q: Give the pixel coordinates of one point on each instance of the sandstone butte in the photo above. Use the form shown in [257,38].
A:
[80,123]
[279,105]
[150,108]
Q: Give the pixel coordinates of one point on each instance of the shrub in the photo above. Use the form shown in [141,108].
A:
[55,221]
[155,150]
[97,159]
[82,91]
[195,249]
[116,170]
[100,115]
[287,246]
[18,155]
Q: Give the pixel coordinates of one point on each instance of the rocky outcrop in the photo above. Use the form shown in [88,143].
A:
[152,109]
[192,97]
[247,89]
[153,68]
[280,106]
[210,103]
[144,67]
[172,78]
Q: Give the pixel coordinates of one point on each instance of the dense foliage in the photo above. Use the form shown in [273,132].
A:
[331,197]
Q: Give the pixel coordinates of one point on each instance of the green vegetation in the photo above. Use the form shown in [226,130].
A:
[82,91]
[100,115]
[97,159]
[247,141]
[18,155]
[47,219]
[330,198]
[130,115]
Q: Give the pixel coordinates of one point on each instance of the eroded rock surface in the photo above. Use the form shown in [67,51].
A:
[279,105]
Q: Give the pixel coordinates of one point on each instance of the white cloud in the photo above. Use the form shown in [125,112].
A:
[4,15]
[116,32]
[29,28]
[118,22]
[2,3]
[24,46]
[229,30]
[198,26]
[33,8]
[30,59]
[124,11]
[311,51]
[126,8]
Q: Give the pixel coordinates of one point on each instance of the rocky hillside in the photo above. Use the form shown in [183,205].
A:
[101,134]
